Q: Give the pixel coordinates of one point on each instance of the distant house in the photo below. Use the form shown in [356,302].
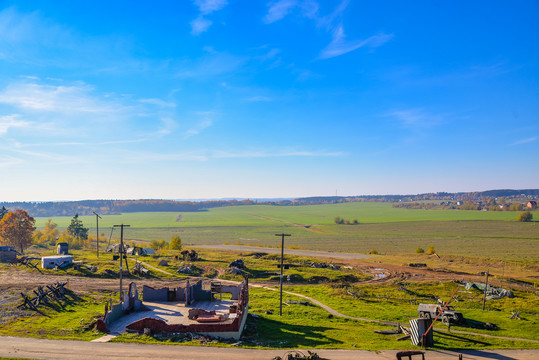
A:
[532,204]
[459,203]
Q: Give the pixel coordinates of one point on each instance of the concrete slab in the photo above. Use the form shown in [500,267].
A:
[171,312]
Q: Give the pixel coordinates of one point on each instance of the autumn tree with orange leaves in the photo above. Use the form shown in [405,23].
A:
[16,229]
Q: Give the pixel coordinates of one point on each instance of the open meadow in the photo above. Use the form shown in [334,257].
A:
[381,227]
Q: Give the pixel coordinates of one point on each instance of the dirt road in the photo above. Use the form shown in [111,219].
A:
[16,347]
[308,253]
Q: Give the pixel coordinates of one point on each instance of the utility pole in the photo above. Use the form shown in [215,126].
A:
[97,217]
[122,253]
[485,294]
[281,277]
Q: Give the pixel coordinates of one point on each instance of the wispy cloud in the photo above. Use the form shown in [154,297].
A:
[201,24]
[259,98]
[417,118]
[204,122]
[332,22]
[71,114]
[209,6]
[11,121]
[340,46]
[52,98]
[208,155]
[278,10]
[525,141]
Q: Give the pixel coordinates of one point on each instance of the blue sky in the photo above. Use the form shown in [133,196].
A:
[245,98]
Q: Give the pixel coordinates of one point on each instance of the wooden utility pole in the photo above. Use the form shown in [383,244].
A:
[97,217]
[281,277]
[122,254]
[485,294]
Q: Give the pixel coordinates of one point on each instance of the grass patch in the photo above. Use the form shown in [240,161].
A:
[70,321]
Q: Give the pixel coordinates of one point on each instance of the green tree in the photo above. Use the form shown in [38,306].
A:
[525,216]
[77,229]
[176,243]
[3,212]
[16,229]
[420,250]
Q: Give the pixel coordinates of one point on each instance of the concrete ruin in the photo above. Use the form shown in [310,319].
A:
[60,261]
[196,309]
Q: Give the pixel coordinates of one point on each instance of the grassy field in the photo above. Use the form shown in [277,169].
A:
[300,326]
[386,229]
[260,215]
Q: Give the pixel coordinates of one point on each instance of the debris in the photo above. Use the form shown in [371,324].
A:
[388,332]
[417,265]
[234,271]
[298,355]
[191,255]
[516,315]
[322,265]
[238,263]
[492,292]
[26,261]
[306,303]
[409,353]
[139,269]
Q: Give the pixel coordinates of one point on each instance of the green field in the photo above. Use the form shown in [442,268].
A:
[382,227]
[260,215]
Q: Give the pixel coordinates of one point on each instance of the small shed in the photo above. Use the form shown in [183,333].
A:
[62,248]
[50,262]
[7,253]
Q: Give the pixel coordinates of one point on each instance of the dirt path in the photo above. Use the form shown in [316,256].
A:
[69,349]
[152,267]
[307,253]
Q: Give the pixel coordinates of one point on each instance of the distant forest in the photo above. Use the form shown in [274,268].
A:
[108,207]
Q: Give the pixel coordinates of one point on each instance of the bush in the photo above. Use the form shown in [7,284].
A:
[420,250]
[525,216]
[374,252]
[431,250]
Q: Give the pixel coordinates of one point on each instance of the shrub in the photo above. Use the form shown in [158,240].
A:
[525,216]
[374,252]
[420,250]
[431,250]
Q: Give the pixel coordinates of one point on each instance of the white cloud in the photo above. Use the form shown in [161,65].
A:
[158,102]
[272,154]
[59,99]
[417,118]
[525,141]
[209,6]
[340,46]
[207,155]
[201,24]
[199,127]
[278,10]
[11,121]
[259,98]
